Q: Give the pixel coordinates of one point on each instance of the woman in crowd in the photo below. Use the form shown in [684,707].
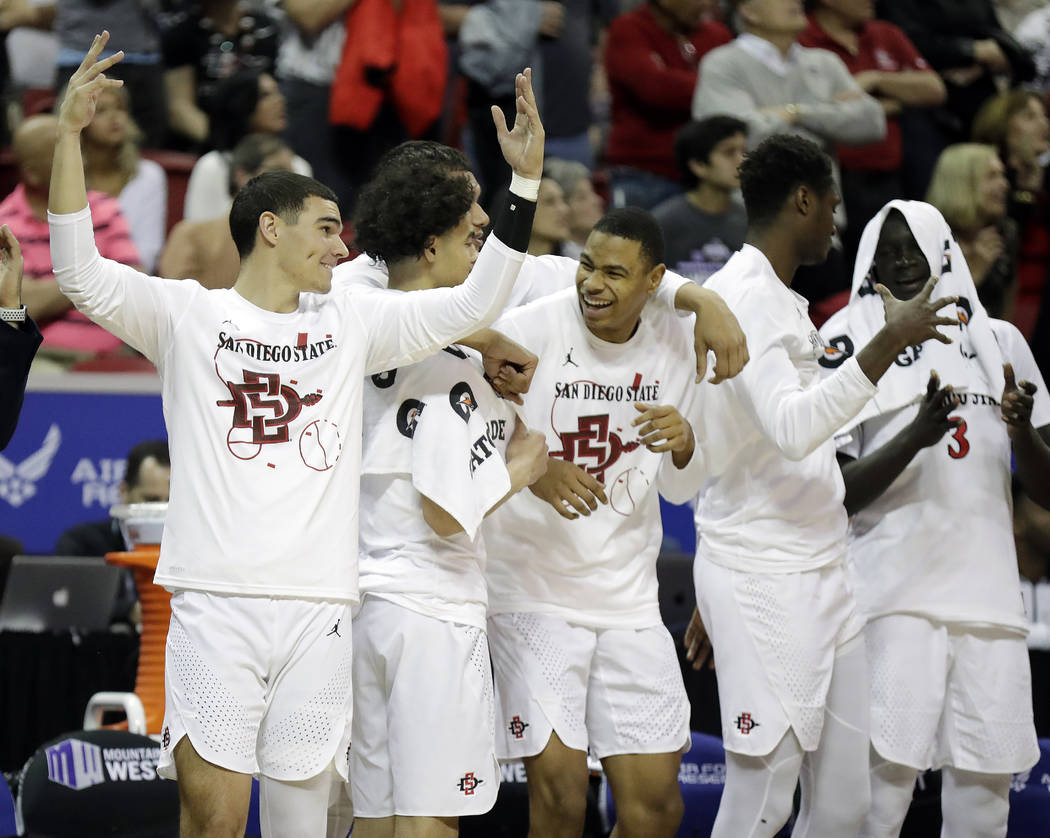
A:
[112,165]
[970,189]
[248,102]
[1016,123]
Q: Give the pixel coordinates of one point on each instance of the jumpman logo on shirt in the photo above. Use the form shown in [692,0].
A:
[568,358]
[335,630]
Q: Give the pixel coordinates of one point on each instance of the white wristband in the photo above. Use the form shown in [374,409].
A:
[13,315]
[525,187]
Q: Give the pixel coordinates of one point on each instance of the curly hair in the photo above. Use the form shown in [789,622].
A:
[415,152]
[772,172]
[406,204]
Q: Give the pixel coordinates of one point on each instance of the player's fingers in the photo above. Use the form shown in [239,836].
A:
[931,385]
[941,302]
[927,289]
[884,292]
[935,335]
[582,500]
[594,486]
[500,121]
[661,447]
[1027,386]
[1008,377]
[701,361]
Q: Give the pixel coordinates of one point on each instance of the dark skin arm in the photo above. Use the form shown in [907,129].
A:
[870,476]
[1031,446]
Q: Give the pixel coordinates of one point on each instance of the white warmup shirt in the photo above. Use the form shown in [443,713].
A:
[597,570]
[773,500]
[263,410]
[435,428]
[939,541]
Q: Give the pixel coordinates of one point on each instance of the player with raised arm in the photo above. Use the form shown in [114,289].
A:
[581,658]
[770,581]
[932,559]
[441,451]
[262,388]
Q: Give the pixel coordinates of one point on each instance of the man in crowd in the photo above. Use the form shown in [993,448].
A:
[705,226]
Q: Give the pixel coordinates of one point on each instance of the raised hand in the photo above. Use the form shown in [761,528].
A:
[85,86]
[522,145]
[916,320]
[10,269]
[698,644]
[1017,401]
[568,487]
[932,421]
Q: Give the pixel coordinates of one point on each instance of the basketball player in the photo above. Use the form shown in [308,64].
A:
[262,399]
[792,678]
[932,558]
[580,655]
[441,450]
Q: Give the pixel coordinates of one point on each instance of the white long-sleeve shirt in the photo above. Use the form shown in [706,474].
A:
[263,409]
[773,501]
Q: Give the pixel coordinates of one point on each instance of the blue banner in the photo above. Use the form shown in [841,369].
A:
[67,458]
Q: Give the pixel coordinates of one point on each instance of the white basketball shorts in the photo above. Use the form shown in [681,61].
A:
[618,691]
[950,695]
[260,685]
[423,716]
[775,637]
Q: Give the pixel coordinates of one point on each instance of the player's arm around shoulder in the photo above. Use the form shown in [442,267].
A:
[716,330]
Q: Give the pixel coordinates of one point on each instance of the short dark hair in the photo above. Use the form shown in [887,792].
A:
[155,448]
[282,193]
[635,224]
[696,140]
[416,152]
[408,202]
[772,172]
[250,153]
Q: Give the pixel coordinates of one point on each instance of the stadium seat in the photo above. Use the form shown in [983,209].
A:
[1030,798]
[177,166]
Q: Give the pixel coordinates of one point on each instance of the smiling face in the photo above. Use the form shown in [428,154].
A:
[899,262]
[613,284]
[453,253]
[310,247]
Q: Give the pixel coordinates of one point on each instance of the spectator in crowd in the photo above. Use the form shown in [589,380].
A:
[131,22]
[244,103]
[496,37]
[204,250]
[204,42]
[964,42]
[19,336]
[651,58]
[886,65]
[68,335]
[970,188]
[312,36]
[1032,539]
[113,166]
[1033,33]
[585,204]
[1015,123]
[147,479]
[766,78]
[550,226]
[706,225]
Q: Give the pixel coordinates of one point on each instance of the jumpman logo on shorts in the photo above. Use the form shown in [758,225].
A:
[335,630]
[568,358]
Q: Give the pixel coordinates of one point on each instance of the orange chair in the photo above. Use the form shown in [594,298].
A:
[156,614]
